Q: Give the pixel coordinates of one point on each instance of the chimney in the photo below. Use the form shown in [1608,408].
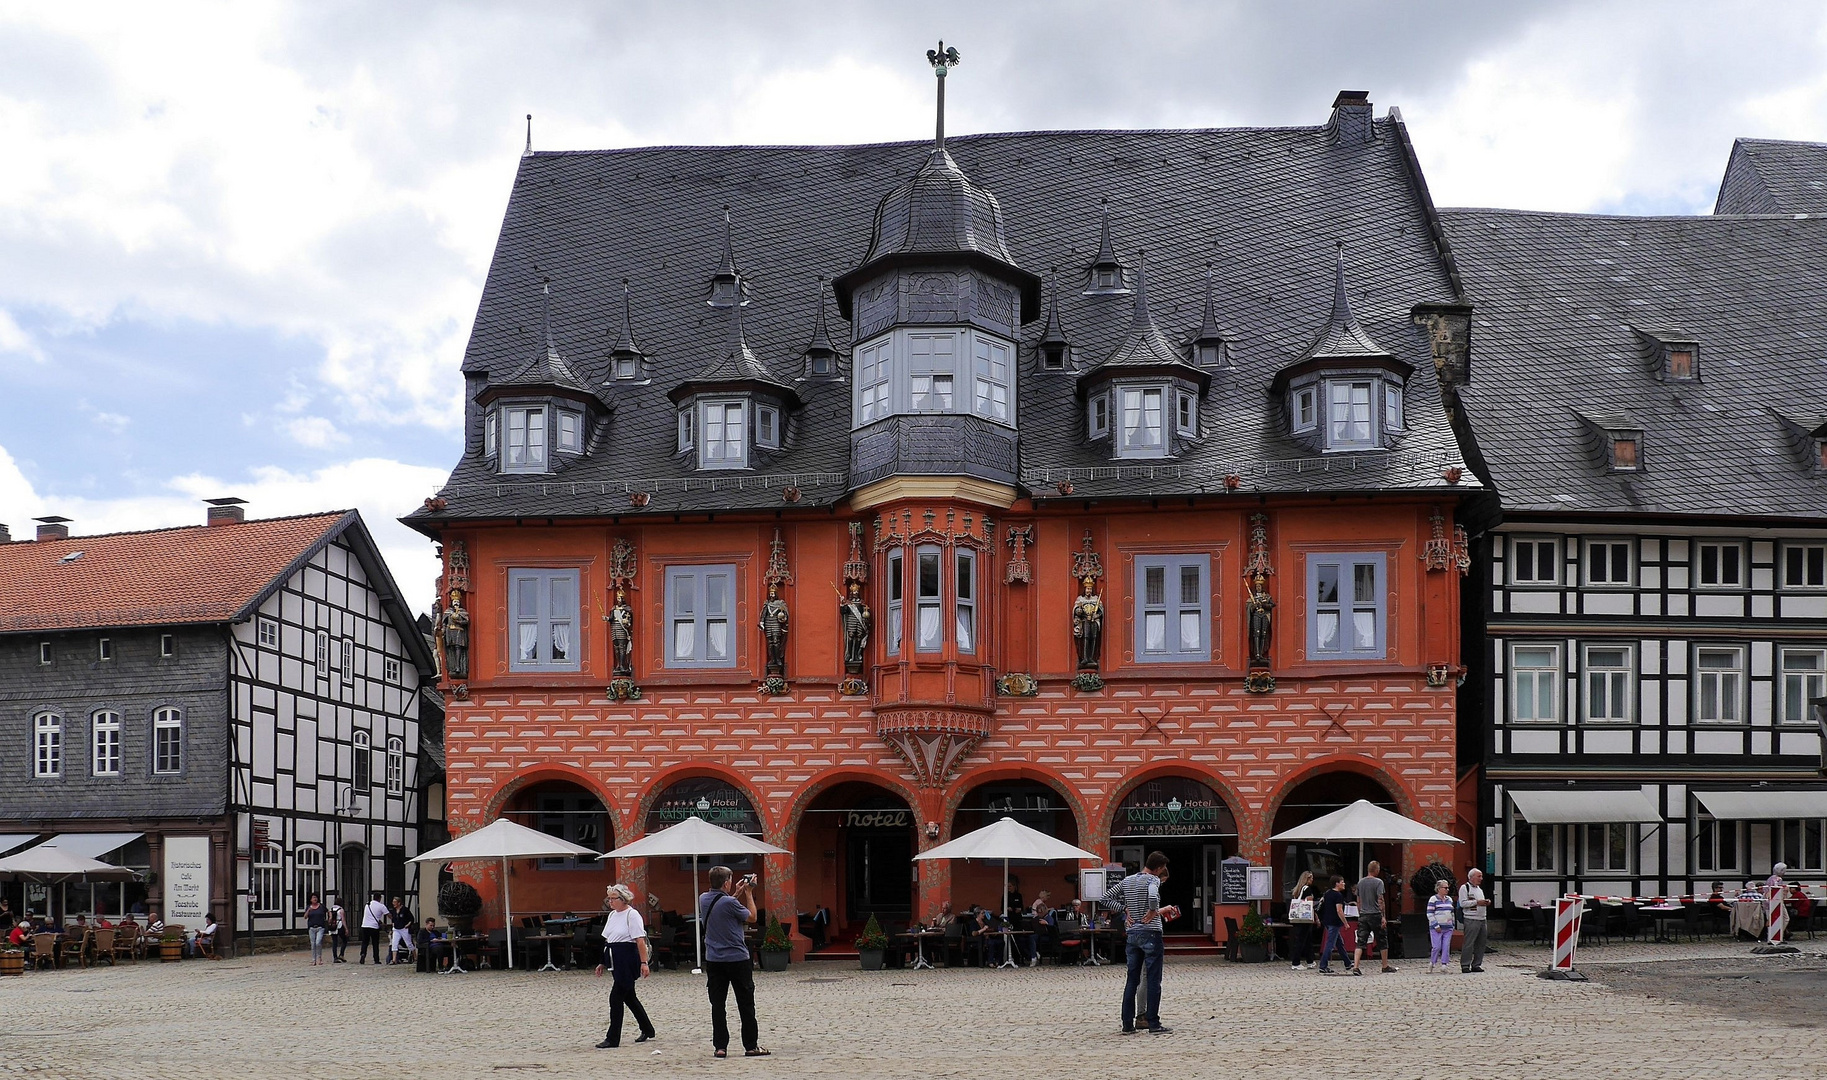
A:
[226,511]
[1350,123]
[6,535]
[53,528]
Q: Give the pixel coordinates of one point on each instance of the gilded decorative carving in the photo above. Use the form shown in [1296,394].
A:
[1017,684]
[1021,537]
[1088,614]
[1259,607]
[776,619]
[623,564]
[854,617]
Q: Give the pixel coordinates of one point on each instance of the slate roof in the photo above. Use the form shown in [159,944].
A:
[1771,176]
[1559,300]
[1265,206]
[197,574]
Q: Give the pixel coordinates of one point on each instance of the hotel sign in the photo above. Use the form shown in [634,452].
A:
[707,798]
[1173,806]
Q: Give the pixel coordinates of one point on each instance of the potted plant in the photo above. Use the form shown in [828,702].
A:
[460,903]
[776,946]
[171,946]
[1254,938]
[871,944]
[12,961]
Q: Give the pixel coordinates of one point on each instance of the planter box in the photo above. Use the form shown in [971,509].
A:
[1253,952]
[871,959]
[12,963]
[775,961]
[170,952]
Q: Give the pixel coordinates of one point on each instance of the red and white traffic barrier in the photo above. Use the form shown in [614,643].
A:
[1567,913]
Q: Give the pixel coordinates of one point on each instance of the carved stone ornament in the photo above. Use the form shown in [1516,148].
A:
[1021,537]
[1442,553]
[1087,681]
[623,690]
[1259,608]
[1438,675]
[932,741]
[1259,682]
[453,638]
[457,577]
[1017,684]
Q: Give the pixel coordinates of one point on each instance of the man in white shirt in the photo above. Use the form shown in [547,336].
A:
[374,916]
[1473,908]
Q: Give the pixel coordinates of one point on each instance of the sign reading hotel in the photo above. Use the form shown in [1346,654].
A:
[186,879]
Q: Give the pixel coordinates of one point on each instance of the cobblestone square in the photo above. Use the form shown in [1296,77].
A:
[274,1016]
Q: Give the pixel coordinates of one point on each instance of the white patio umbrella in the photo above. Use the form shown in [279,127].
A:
[49,865]
[1363,822]
[504,840]
[692,838]
[1007,839]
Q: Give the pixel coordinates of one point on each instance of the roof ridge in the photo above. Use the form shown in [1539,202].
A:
[337,514]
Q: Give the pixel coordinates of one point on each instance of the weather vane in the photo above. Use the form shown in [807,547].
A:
[943,60]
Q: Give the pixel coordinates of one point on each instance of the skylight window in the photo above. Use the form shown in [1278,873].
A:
[70,557]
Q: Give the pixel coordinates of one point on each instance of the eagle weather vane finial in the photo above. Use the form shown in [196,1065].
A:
[943,60]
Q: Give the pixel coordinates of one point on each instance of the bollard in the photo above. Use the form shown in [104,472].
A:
[1776,930]
[1567,912]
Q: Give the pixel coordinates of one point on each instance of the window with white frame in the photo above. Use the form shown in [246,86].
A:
[1303,408]
[323,654]
[873,373]
[1142,423]
[167,741]
[964,602]
[570,430]
[542,608]
[928,600]
[490,433]
[396,766]
[363,762]
[1348,415]
[1719,684]
[1535,684]
[700,608]
[990,372]
[307,875]
[1804,566]
[932,367]
[897,589]
[1608,684]
[1608,562]
[268,879]
[1098,415]
[268,630]
[625,365]
[1535,562]
[767,426]
[1173,608]
[725,436]
[168,645]
[1798,843]
[688,429]
[1607,847]
[1346,606]
[1534,849]
[47,745]
[526,439]
[1804,677]
[1392,407]
[390,670]
[45,655]
[104,649]
[105,759]
[1718,566]
[1186,413]
[348,661]
[1716,845]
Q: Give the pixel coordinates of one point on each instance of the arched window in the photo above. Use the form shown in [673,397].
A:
[47,745]
[106,757]
[269,884]
[167,742]
[396,766]
[308,867]
[364,764]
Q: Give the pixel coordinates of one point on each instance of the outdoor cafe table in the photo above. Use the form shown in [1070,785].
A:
[458,944]
[548,939]
[1662,913]
[919,943]
[569,925]
[1008,953]
[1114,934]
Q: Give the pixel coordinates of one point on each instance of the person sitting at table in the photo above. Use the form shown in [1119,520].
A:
[102,923]
[429,933]
[1046,928]
[1013,900]
[22,931]
[989,936]
[79,927]
[155,925]
[203,943]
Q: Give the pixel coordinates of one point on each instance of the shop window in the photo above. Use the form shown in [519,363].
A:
[1173,609]
[1798,843]
[1534,849]
[543,612]
[1346,613]
[1607,848]
[575,817]
[1535,684]
[700,603]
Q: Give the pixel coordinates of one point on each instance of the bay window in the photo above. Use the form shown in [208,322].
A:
[948,371]
[927,601]
[990,369]
[526,439]
[897,591]
[725,444]
[964,603]
[1142,432]
[1348,415]
[1347,410]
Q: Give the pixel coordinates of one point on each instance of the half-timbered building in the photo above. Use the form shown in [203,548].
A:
[1648,621]
[856,496]
[233,708]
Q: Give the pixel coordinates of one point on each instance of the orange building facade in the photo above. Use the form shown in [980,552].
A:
[1158,554]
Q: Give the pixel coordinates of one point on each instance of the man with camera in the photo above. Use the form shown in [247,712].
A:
[724,911]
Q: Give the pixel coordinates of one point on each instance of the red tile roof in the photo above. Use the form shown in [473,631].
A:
[201,573]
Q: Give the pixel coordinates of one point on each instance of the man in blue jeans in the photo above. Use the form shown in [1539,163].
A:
[1138,896]
[726,909]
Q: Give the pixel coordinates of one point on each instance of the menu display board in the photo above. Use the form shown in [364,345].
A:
[186,879]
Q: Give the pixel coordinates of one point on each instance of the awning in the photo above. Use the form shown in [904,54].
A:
[1764,805]
[1577,807]
[9,841]
[92,845]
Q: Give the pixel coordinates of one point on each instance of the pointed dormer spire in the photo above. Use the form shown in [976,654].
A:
[625,356]
[1143,319]
[1209,343]
[1104,252]
[528,152]
[726,285]
[546,368]
[943,60]
[821,355]
[728,265]
[545,315]
[1054,345]
[624,342]
[1342,335]
[1106,275]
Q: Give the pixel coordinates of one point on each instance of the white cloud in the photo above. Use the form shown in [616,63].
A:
[315,432]
[14,341]
[381,489]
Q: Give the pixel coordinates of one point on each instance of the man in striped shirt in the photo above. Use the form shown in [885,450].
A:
[1138,896]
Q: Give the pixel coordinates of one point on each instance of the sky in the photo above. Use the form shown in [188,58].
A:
[241,245]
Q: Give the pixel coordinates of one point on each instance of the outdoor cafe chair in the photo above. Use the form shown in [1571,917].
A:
[662,943]
[44,951]
[952,944]
[1233,948]
[73,947]
[127,941]
[104,946]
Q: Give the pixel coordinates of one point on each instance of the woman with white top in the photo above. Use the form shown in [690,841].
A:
[625,956]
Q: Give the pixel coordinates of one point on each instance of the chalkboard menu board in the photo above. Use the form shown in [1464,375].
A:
[1234,881]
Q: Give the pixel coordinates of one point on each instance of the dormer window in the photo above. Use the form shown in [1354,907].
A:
[819,364]
[767,427]
[1820,454]
[688,428]
[489,432]
[1142,420]
[725,292]
[1053,356]
[1106,279]
[1348,411]
[935,371]
[1680,362]
[1674,356]
[1305,408]
[1392,407]
[725,443]
[1209,353]
[1348,414]
[570,430]
[1186,413]
[624,366]
[1098,416]
[1626,451]
[526,439]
